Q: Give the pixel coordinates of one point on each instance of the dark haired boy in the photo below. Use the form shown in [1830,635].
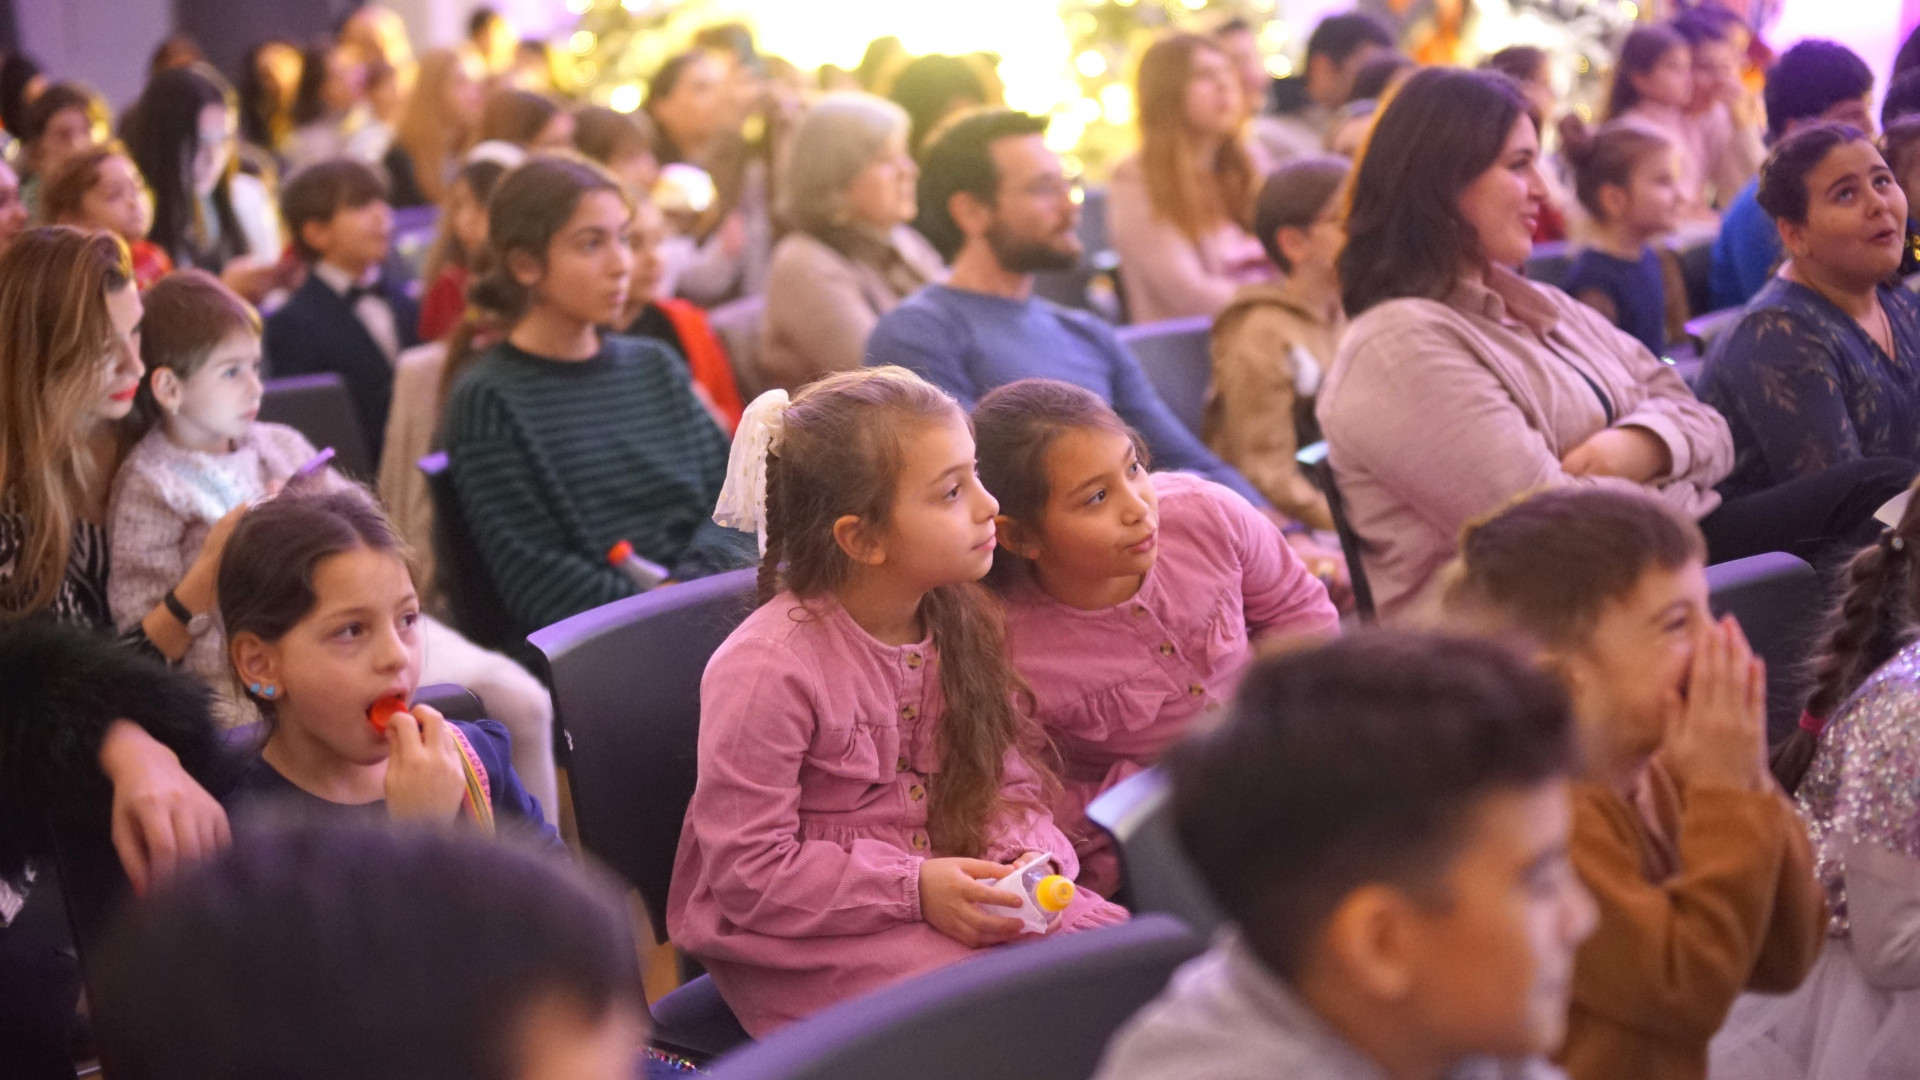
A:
[378,953]
[348,317]
[1386,820]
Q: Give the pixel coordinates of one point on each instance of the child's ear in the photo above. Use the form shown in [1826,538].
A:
[1292,243]
[1370,936]
[255,661]
[525,268]
[316,234]
[857,541]
[168,388]
[1016,537]
[1613,200]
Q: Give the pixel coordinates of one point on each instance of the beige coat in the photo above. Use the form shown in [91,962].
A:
[1437,413]
[1270,350]
[822,304]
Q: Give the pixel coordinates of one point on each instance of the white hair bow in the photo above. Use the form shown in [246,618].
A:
[743,498]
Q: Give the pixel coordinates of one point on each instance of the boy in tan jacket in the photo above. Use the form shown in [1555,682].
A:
[1701,869]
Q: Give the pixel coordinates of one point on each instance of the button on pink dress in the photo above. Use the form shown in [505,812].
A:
[797,882]
[1117,686]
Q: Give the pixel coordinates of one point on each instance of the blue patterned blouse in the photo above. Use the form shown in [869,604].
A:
[1804,388]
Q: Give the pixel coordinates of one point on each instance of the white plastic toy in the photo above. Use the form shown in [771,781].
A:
[1043,894]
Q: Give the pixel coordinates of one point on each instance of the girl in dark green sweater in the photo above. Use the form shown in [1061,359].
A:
[563,440]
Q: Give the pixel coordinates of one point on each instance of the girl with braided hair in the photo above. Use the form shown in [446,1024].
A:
[864,761]
[1853,766]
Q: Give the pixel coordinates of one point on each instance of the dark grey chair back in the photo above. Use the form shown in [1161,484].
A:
[1782,606]
[319,407]
[1045,1009]
[626,693]
[1154,871]
[1177,360]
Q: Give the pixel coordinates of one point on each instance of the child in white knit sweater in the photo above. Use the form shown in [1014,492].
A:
[202,453]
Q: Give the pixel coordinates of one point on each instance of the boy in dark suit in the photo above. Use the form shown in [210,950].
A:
[347,318]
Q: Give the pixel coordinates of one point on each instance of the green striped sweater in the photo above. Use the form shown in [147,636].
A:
[556,461]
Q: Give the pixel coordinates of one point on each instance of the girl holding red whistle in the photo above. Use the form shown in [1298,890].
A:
[323,633]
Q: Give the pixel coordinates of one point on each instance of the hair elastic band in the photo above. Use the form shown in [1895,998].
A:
[1811,724]
[743,498]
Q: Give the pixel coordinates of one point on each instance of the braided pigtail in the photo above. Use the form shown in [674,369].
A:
[1875,620]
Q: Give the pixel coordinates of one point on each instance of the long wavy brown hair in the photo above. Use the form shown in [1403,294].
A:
[1197,200]
[54,283]
[426,132]
[841,454]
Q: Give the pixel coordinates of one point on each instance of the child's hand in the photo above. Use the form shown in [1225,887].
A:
[425,778]
[197,589]
[949,895]
[1717,737]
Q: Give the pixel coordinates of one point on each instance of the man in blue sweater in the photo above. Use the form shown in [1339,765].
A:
[996,203]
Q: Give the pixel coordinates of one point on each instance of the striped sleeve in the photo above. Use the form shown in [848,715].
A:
[528,536]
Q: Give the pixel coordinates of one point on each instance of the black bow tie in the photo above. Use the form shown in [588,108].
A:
[357,292]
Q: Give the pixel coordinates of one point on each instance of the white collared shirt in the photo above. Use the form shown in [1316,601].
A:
[372,309]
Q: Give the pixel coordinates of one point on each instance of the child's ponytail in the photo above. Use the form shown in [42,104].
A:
[1874,621]
[1606,156]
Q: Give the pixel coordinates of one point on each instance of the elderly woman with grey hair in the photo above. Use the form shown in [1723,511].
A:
[851,257]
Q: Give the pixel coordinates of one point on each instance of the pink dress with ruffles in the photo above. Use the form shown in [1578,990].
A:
[797,883]
[1118,685]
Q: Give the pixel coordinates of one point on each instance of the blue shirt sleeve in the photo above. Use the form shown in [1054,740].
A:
[1168,440]
[1743,253]
[915,337]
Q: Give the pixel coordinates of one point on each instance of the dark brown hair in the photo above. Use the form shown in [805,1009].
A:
[841,454]
[480,176]
[1643,50]
[188,314]
[1898,143]
[1549,564]
[57,99]
[266,575]
[1294,197]
[1405,235]
[1875,619]
[1783,176]
[516,116]
[529,207]
[1014,430]
[605,134]
[323,189]
[1606,156]
[65,187]
[1358,762]
[1521,63]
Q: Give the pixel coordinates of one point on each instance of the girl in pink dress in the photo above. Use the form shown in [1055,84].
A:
[1133,598]
[862,760]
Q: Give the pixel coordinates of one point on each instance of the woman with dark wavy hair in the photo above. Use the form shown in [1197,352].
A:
[1461,384]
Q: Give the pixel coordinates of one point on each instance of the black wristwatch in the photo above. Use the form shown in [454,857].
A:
[195,624]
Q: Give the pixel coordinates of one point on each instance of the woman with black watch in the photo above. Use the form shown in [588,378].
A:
[69,369]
